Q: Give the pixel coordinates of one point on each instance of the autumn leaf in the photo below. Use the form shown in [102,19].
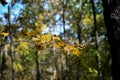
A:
[33,33]
[35,39]
[73,49]
[56,45]
[55,37]
[4,34]
[25,32]
[18,67]
[39,25]
[76,52]
[61,43]
[46,37]
[66,48]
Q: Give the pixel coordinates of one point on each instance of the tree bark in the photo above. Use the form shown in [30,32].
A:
[3,64]
[38,67]
[112,22]
[96,41]
[11,39]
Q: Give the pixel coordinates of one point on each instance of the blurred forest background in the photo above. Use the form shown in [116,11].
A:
[53,40]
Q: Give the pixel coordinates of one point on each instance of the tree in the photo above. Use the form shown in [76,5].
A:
[112,22]
[56,53]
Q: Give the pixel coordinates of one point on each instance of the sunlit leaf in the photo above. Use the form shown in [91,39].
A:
[39,25]
[73,49]
[46,37]
[35,39]
[33,33]
[66,48]
[18,67]
[55,37]
[88,20]
[4,34]
[76,52]
[56,45]
[61,43]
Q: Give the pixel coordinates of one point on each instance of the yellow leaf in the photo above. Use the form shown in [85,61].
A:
[19,39]
[35,39]
[55,37]
[46,37]
[41,17]
[76,52]
[33,33]
[4,34]
[88,20]
[66,48]
[39,25]
[18,67]
[56,45]
[61,43]
[43,27]
[73,49]
[25,32]
[36,24]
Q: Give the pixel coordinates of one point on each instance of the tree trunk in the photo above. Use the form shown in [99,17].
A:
[112,22]
[11,39]
[79,33]
[96,41]
[38,67]
[64,4]
[3,64]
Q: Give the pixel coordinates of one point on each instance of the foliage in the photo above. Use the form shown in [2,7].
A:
[46,33]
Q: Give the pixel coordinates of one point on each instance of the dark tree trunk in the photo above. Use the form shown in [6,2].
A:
[112,22]
[96,41]
[79,33]
[38,67]
[11,39]
[3,64]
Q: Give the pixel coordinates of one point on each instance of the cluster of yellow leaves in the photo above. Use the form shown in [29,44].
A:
[59,44]
[88,20]
[42,38]
[39,25]
[46,38]
[23,48]
[4,34]
[28,33]
[55,37]
[74,48]
[18,67]
[43,41]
